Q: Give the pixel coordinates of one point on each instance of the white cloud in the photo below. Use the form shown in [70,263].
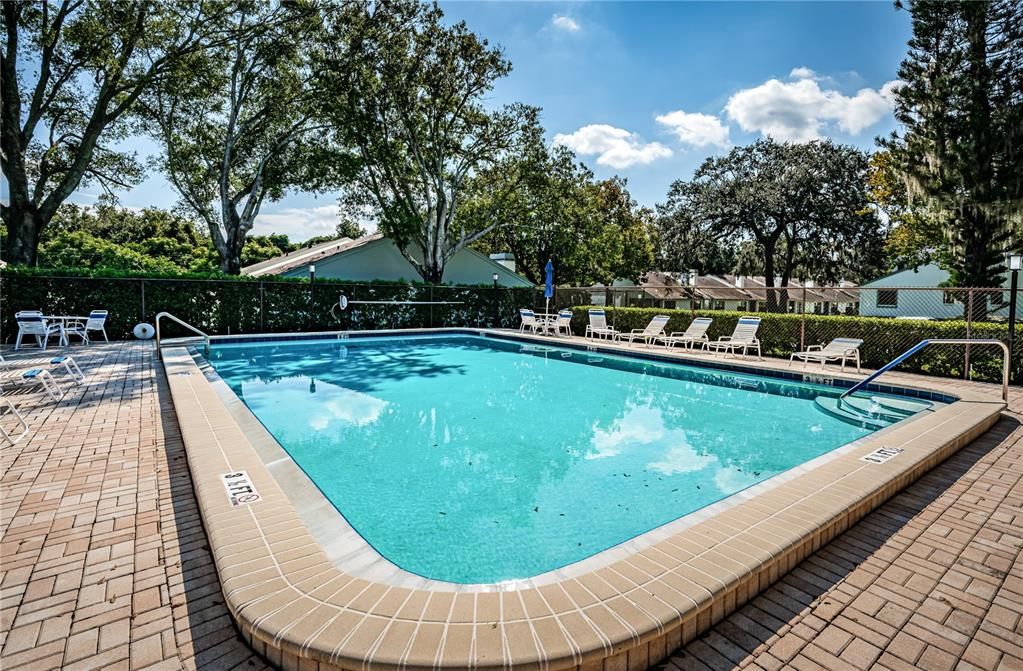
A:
[299,223]
[800,110]
[803,73]
[696,130]
[566,23]
[614,147]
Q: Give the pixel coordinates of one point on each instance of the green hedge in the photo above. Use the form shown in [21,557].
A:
[883,338]
[220,307]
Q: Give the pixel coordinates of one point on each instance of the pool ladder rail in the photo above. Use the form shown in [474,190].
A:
[876,412]
[159,343]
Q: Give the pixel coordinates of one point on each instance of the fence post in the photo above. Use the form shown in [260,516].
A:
[802,322]
[969,332]
[142,294]
[261,327]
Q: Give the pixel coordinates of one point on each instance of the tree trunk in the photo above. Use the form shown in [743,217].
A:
[772,297]
[23,229]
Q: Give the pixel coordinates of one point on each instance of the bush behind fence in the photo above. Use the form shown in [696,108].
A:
[222,307]
[226,307]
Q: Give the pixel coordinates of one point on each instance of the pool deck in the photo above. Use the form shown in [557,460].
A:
[105,563]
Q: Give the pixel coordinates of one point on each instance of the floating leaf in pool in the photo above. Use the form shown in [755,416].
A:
[537,509]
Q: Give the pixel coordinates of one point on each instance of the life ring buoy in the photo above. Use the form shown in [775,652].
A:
[143,331]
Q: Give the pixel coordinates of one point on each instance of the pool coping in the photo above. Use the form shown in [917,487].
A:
[293,603]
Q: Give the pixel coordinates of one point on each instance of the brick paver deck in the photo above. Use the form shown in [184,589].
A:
[104,562]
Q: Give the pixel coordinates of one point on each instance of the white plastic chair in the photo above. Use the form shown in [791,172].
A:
[839,349]
[31,323]
[529,321]
[598,325]
[696,332]
[96,322]
[563,322]
[655,329]
[744,338]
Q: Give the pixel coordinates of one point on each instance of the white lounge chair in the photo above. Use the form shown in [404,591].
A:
[96,322]
[32,323]
[839,349]
[598,325]
[68,363]
[654,329]
[529,321]
[563,322]
[695,333]
[6,405]
[744,338]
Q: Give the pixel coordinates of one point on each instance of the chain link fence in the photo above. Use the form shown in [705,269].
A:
[889,320]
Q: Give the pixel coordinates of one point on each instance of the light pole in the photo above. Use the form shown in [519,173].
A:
[497,302]
[312,272]
[1015,265]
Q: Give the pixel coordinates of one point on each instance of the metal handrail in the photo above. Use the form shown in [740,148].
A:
[205,336]
[1006,359]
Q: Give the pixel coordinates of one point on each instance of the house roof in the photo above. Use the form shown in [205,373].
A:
[662,285]
[318,253]
[301,257]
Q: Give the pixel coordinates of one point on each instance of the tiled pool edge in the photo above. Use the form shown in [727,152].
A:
[281,588]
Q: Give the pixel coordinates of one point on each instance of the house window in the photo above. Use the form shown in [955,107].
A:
[948,297]
[888,298]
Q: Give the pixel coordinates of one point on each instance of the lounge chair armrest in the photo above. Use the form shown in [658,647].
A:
[811,348]
[724,338]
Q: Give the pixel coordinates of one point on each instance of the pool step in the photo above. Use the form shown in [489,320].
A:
[872,408]
[829,405]
[902,406]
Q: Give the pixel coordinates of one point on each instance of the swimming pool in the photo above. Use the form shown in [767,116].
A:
[477,460]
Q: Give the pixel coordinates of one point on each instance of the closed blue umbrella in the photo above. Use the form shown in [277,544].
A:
[548,284]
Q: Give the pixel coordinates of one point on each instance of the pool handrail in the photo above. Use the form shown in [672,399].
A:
[1006,360]
[205,336]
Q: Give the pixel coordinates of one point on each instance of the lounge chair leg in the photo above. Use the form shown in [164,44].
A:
[21,420]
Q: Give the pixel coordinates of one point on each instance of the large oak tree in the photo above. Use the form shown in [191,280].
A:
[804,206]
[408,91]
[236,121]
[71,74]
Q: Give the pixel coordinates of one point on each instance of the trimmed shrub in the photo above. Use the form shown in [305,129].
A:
[250,305]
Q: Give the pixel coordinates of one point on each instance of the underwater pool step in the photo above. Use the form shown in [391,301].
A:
[829,405]
[873,409]
[904,407]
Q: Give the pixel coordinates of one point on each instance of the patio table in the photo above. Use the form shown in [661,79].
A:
[546,320]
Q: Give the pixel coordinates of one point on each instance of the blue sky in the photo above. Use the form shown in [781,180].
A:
[649,90]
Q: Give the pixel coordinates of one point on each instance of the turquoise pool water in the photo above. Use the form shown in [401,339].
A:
[473,459]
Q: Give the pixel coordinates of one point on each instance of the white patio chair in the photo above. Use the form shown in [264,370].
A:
[839,349]
[598,325]
[96,322]
[654,329]
[32,323]
[529,321]
[563,322]
[744,338]
[696,332]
